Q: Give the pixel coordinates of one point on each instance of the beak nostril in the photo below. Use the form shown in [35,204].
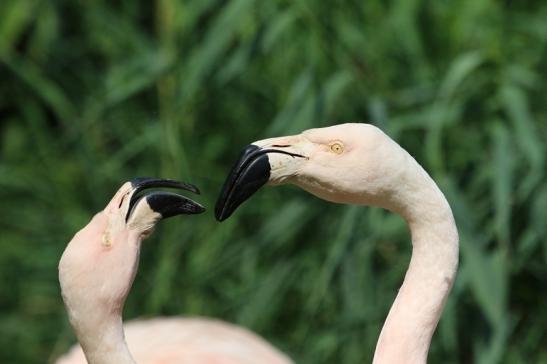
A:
[122,199]
[281,145]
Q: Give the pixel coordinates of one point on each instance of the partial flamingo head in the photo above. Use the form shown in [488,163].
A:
[98,266]
[346,163]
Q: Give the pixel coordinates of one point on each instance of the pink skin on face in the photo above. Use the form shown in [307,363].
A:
[96,272]
[358,164]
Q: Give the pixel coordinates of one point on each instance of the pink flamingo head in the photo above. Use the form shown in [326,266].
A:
[98,266]
[359,164]
[347,163]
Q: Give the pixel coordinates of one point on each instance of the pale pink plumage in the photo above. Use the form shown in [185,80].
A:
[359,164]
[178,340]
[96,272]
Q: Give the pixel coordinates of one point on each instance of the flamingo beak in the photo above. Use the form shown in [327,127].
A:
[166,204]
[251,171]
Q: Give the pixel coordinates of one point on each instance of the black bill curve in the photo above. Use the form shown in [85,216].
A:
[167,204]
[249,173]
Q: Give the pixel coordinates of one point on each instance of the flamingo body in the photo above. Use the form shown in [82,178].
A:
[179,340]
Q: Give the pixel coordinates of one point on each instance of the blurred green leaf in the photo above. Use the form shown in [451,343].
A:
[515,104]
[502,182]
[95,93]
[16,15]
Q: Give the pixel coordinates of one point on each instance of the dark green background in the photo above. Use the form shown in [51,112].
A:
[93,93]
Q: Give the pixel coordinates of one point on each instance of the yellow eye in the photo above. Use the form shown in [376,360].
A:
[337,148]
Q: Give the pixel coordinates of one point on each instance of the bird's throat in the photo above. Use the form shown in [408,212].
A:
[104,342]
[413,318]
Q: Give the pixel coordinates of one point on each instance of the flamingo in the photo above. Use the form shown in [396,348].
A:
[357,163]
[96,272]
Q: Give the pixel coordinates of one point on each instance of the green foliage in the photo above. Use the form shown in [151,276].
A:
[95,93]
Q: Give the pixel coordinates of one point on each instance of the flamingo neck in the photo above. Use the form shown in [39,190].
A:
[413,317]
[95,309]
[103,341]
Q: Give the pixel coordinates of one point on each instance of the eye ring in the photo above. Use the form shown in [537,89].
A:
[337,148]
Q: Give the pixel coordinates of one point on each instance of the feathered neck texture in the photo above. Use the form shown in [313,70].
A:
[407,331]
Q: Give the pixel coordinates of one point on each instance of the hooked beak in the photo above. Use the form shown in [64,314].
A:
[166,204]
[252,170]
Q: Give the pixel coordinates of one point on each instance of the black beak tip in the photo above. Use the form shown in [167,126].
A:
[220,214]
[141,183]
[196,209]
[170,204]
[250,172]
[166,204]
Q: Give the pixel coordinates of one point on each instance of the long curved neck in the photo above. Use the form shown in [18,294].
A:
[95,295]
[104,342]
[407,331]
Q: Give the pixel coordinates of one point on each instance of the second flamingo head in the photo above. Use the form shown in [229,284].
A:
[98,266]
